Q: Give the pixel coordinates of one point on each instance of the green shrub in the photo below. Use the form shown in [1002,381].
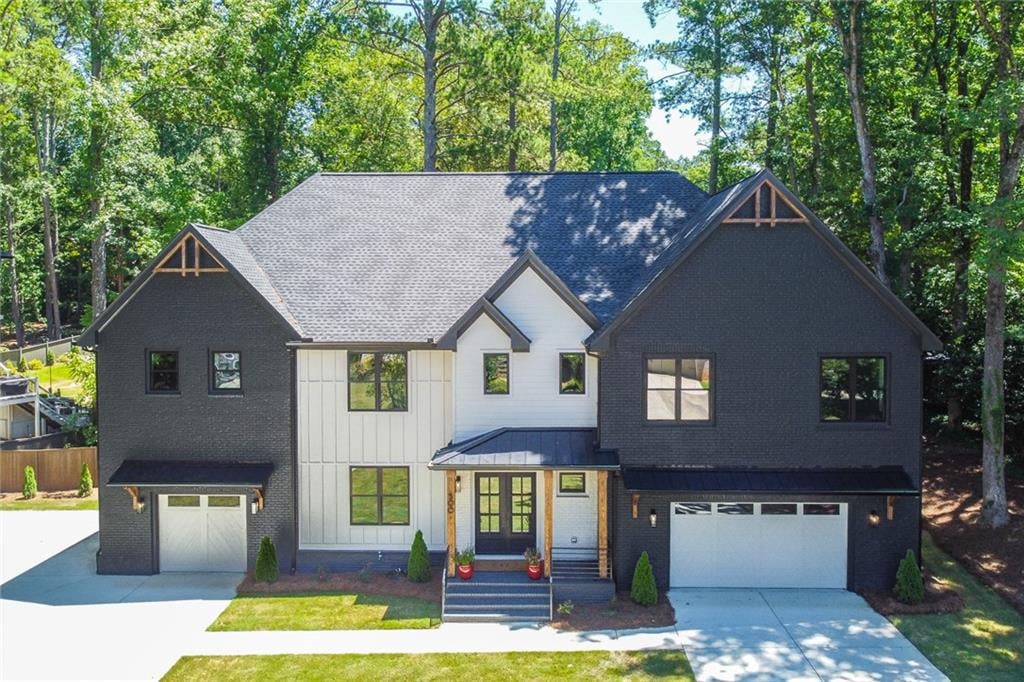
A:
[266,561]
[644,591]
[418,568]
[49,358]
[22,364]
[35,363]
[566,608]
[31,488]
[85,481]
[909,587]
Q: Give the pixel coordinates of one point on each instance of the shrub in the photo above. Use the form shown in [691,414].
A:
[465,557]
[266,561]
[35,363]
[22,364]
[85,481]
[909,587]
[566,607]
[418,568]
[644,591]
[31,488]
[49,358]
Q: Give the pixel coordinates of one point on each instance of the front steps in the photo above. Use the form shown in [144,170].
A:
[497,596]
[579,581]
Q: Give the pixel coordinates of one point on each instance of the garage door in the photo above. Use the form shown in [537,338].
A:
[202,533]
[758,544]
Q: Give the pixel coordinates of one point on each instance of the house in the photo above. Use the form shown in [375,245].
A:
[593,364]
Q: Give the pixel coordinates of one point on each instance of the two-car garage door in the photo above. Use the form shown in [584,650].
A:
[202,533]
[758,544]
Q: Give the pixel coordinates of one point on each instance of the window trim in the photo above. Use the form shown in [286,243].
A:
[572,352]
[508,366]
[854,422]
[380,495]
[213,374]
[149,371]
[712,393]
[561,488]
[376,380]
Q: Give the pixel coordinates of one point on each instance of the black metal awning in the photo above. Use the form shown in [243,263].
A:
[851,481]
[158,472]
[527,448]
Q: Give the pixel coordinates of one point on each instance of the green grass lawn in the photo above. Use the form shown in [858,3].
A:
[328,612]
[984,641]
[54,378]
[589,665]
[11,503]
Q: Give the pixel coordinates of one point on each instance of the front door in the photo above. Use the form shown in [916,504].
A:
[506,517]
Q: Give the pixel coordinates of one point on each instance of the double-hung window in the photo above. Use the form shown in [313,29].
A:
[225,372]
[853,389]
[377,382]
[678,389]
[572,373]
[496,376]
[162,372]
[379,496]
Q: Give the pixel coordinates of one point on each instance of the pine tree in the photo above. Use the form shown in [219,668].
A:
[85,482]
[418,568]
[644,590]
[266,561]
[31,488]
[909,587]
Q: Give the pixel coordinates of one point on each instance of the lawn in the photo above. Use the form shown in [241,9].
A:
[984,641]
[56,378]
[588,665]
[48,502]
[328,612]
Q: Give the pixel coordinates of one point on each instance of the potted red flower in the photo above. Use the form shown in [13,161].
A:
[534,563]
[464,563]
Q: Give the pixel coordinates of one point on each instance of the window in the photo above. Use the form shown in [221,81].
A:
[379,496]
[572,373]
[182,500]
[377,382]
[693,508]
[496,373]
[678,389]
[163,371]
[226,372]
[736,508]
[778,509]
[572,483]
[223,501]
[853,389]
[821,510]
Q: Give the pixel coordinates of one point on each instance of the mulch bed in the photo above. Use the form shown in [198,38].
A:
[938,598]
[951,507]
[620,614]
[349,583]
[55,495]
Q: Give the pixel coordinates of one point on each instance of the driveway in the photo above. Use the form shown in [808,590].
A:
[59,620]
[792,635]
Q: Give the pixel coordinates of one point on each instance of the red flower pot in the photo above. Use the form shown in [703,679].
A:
[465,572]
[535,571]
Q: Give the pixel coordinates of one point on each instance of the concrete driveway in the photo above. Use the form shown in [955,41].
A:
[792,635]
[61,621]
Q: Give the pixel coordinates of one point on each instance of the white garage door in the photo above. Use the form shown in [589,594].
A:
[758,544]
[202,533]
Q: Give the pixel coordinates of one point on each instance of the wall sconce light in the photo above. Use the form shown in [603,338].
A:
[890,507]
[257,501]
[654,518]
[873,518]
[138,504]
[458,484]
[636,506]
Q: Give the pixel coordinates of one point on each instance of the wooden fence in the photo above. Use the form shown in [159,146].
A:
[58,469]
[38,351]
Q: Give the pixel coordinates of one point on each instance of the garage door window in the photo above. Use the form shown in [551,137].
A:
[693,508]
[379,496]
[223,501]
[183,501]
[821,509]
[778,509]
[740,509]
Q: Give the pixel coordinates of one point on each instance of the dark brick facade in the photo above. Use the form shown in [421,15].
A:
[193,315]
[765,303]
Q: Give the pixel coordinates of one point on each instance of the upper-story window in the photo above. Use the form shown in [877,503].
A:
[853,389]
[162,371]
[572,373]
[225,371]
[496,373]
[377,382]
[678,389]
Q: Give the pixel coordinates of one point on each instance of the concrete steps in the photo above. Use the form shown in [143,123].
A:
[497,596]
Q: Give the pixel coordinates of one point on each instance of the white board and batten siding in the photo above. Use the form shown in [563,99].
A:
[332,439]
[533,399]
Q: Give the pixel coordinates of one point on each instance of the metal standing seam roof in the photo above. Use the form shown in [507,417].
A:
[201,473]
[850,481]
[528,448]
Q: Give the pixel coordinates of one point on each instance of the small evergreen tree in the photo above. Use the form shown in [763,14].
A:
[85,481]
[266,561]
[644,591]
[30,488]
[418,568]
[49,358]
[22,364]
[909,587]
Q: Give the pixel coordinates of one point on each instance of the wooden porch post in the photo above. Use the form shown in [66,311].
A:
[450,522]
[549,496]
[602,524]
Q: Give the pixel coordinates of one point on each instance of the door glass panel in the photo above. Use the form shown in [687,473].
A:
[182,500]
[489,504]
[522,504]
[223,501]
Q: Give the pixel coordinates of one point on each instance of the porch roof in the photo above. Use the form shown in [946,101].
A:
[528,448]
[887,480]
[161,472]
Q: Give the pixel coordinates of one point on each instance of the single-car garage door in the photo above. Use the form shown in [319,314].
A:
[758,544]
[202,533]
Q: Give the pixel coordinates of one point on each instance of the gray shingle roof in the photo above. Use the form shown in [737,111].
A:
[555,448]
[395,257]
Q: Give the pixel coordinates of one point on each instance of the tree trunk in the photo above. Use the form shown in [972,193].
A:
[815,125]
[513,147]
[43,131]
[716,111]
[95,162]
[431,18]
[560,8]
[19,323]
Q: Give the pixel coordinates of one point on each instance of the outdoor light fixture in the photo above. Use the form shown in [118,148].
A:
[458,484]
[873,518]
[654,518]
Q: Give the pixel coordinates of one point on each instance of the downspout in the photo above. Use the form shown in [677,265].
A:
[293,410]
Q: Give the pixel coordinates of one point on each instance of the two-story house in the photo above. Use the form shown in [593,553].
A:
[592,364]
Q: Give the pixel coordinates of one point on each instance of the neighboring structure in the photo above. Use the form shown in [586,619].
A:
[591,364]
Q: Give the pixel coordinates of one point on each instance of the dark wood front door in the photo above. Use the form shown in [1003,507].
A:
[506,513]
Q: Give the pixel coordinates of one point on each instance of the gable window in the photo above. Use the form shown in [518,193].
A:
[496,373]
[572,373]
[226,371]
[572,482]
[678,389]
[162,375]
[379,496]
[853,389]
[377,382]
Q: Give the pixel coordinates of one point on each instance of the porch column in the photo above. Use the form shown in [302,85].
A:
[549,497]
[450,521]
[602,524]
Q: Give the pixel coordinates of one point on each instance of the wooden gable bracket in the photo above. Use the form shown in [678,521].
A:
[259,498]
[773,218]
[190,257]
[138,504]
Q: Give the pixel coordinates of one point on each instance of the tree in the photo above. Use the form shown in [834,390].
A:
[85,481]
[418,566]
[266,561]
[29,488]
[562,9]
[643,589]
[909,587]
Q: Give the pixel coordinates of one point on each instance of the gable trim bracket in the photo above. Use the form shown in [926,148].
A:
[520,342]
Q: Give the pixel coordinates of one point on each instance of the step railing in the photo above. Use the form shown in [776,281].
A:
[581,554]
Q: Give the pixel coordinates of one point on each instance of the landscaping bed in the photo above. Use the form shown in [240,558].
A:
[939,597]
[620,614]
[61,499]
[951,507]
[362,583]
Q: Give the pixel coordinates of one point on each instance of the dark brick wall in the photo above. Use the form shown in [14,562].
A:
[192,315]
